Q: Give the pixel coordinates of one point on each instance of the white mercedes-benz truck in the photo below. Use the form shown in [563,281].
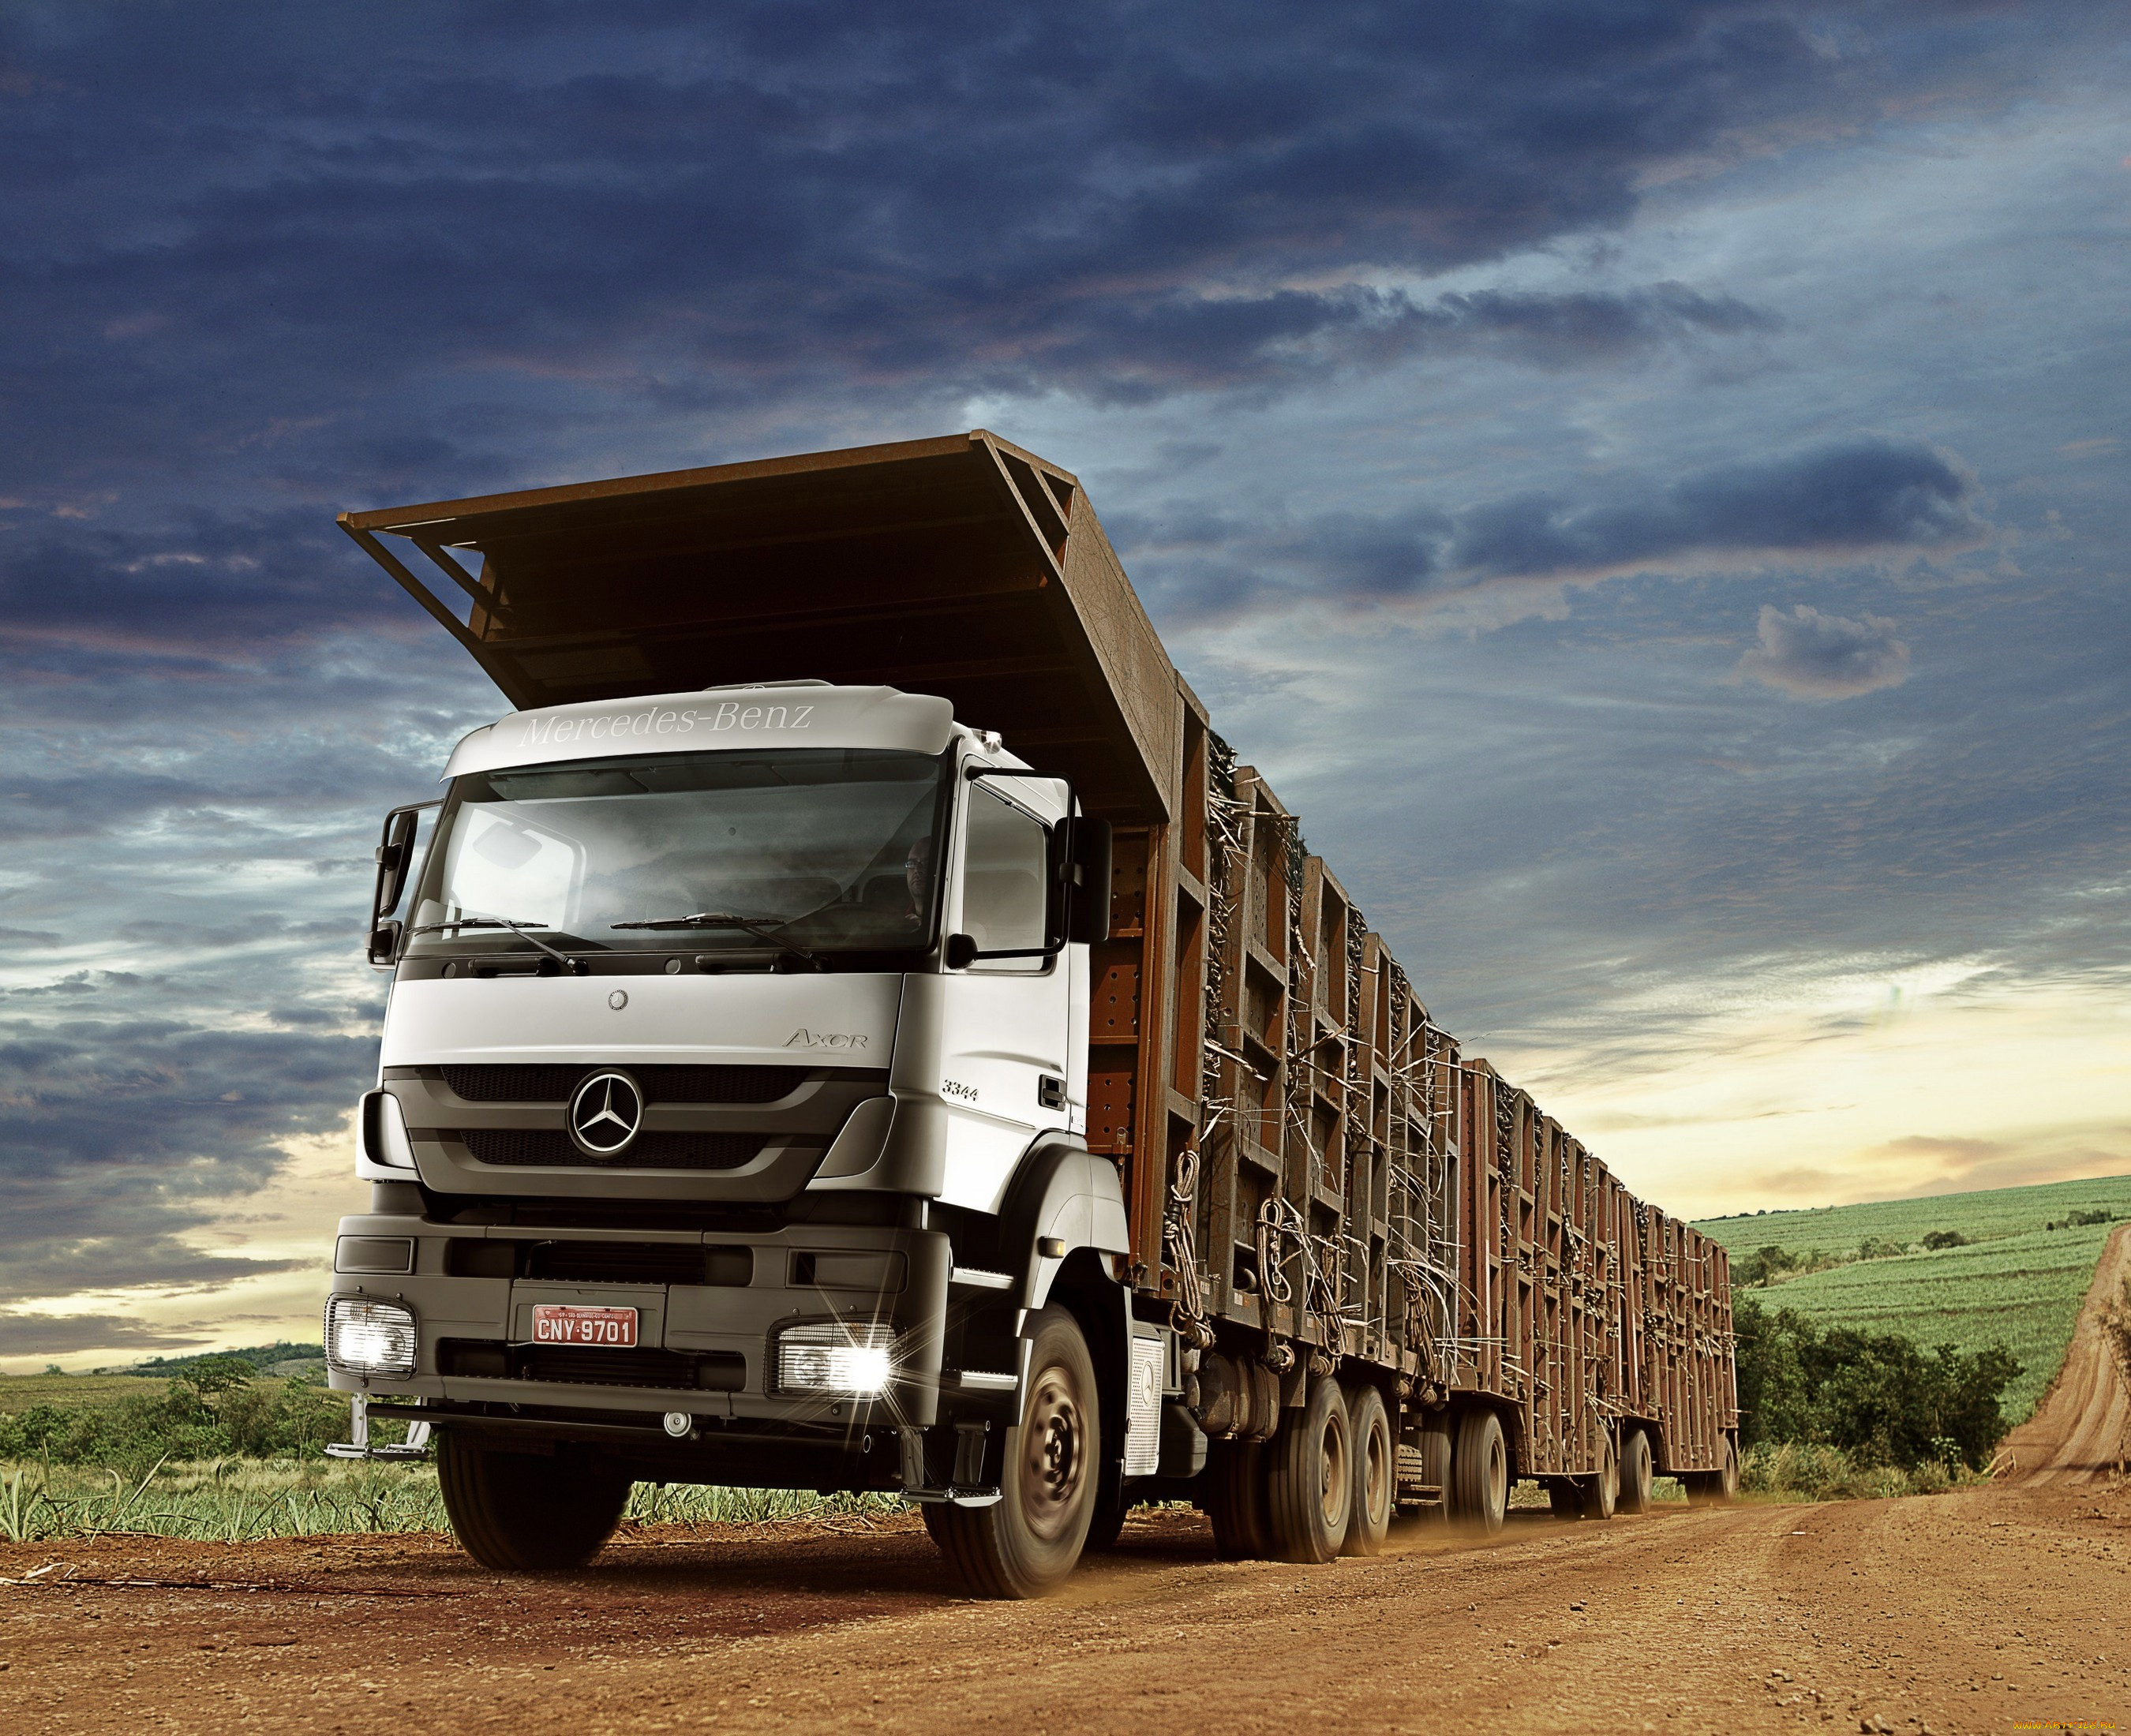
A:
[854,1027]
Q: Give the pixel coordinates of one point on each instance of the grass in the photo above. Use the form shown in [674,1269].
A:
[239,1500]
[2018,1285]
[1787,1471]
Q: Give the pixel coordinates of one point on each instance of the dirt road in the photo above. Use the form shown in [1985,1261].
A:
[1997,1608]
[2077,1433]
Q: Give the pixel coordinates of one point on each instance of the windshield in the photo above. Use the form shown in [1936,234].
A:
[821,849]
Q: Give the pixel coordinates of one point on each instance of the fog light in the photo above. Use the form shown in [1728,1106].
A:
[369,1338]
[833,1358]
[679,1424]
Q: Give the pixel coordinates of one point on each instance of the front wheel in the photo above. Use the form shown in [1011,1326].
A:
[1025,1543]
[516,1511]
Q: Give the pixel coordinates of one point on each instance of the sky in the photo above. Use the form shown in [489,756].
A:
[1645,481]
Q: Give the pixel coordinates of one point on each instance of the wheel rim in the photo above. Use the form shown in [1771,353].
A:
[1498,1476]
[1334,1471]
[1053,1455]
[1373,1482]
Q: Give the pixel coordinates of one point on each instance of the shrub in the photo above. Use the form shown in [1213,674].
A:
[1880,1398]
[209,1413]
[1937,1239]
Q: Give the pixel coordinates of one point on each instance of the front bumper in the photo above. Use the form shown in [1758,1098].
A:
[704,1349]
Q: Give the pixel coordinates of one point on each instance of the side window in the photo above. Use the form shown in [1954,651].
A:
[1004,858]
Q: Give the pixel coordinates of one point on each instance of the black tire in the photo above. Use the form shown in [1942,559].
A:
[1309,1494]
[1026,1542]
[1376,1472]
[1637,1471]
[1435,1470]
[1103,1529]
[1599,1494]
[518,1512]
[1480,1472]
[1717,1488]
[1236,1501]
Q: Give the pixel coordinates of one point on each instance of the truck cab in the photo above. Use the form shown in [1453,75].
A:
[730,1123]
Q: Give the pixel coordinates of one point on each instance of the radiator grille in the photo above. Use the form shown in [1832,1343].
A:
[552,1082]
[533,1148]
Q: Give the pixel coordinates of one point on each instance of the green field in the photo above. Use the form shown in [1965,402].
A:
[19,1392]
[2019,1285]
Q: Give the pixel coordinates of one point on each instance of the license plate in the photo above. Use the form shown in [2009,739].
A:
[556,1323]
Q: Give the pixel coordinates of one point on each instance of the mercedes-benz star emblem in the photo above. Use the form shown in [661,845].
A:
[606,1112]
[619,999]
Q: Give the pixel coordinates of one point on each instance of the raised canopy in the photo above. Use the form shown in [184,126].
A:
[962,567]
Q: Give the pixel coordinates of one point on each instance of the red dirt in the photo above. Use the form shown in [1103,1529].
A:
[1995,1608]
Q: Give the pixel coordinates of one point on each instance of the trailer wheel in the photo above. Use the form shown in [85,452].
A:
[1598,1496]
[1025,1543]
[1480,1472]
[1435,1470]
[1376,1472]
[1636,1472]
[1310,1492]
[517,1513]
[1716,1488]
[1236,1501]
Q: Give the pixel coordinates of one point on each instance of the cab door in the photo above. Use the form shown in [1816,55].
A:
[1005,1041]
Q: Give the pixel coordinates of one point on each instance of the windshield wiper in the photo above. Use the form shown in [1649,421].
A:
[575,966]
[725,919]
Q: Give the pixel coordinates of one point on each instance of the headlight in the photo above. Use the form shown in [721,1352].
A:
[370,1338]
[859,1360]
[384,1131]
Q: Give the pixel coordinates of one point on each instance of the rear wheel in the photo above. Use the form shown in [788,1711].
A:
[1636,1472]
[1480,1471]
[1716,1488]
[517,1512]
[1310,1492]
[1598,1495]
[1025,1543]
[1236,1501]
[1376,1472]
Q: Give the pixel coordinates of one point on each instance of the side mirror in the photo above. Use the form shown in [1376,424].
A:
[1088,881]
[383,943]
[395,856]
[961,951]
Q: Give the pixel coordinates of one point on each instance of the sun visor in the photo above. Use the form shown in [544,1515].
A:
[778,714]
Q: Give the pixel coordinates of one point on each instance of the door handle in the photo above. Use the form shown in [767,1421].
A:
[1051,1091]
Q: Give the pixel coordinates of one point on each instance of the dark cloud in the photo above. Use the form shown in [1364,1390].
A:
[1843,498]
[121,1131]
[384,249]
[197,582]
[1825,656]
[53,1335]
